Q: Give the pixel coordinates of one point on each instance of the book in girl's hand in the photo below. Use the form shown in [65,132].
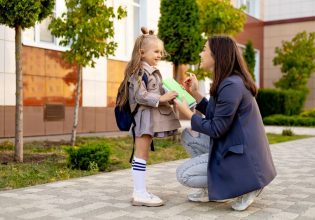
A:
[170,84]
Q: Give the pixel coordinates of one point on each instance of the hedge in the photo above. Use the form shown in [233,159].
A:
[285,102]
[289,120]
[88,156]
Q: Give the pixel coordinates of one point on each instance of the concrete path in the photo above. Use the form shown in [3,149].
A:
[107,196]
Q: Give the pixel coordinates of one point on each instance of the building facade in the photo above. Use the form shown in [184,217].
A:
[49,82]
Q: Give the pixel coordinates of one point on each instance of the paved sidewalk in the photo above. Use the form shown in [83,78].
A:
[107,196]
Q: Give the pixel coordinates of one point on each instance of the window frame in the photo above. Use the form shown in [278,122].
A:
[130,28]
[36,42]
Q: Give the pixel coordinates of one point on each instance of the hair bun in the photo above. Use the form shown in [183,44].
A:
[145,30]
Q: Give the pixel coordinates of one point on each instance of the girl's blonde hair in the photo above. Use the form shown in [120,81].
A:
[134,65]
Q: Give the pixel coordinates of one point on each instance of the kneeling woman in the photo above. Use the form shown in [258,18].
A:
[231,155]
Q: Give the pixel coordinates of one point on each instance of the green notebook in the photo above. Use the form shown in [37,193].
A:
[171,84]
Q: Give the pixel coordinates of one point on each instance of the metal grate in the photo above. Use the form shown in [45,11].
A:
[54,112]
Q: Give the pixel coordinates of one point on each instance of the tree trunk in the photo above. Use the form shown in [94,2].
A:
[18,154]
[176,72]
[176,77]
[76,107]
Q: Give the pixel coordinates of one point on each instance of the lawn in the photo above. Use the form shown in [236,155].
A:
[46,161]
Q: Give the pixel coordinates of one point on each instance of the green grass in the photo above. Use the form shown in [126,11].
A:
[277,138]
[46,161]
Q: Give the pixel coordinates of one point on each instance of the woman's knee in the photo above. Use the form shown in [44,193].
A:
[193,172]
[180,174]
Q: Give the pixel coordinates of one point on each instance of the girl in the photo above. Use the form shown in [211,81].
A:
[232,132]
[154,116]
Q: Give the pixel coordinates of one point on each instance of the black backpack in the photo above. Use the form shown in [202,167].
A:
[125,118]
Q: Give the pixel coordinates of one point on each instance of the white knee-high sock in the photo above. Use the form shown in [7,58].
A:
[138,175]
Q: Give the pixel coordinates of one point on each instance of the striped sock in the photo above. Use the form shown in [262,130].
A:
[138,175]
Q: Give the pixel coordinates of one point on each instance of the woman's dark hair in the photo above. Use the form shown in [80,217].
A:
[228,61]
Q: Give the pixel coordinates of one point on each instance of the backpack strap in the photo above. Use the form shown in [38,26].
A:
[146,80]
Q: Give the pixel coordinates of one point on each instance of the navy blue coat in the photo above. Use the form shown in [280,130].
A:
[240,160]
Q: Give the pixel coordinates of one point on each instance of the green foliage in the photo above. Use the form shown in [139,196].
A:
[87,27]
[89,156]
[287,132]
[249,56]
[201,74]
[289,120]
[308,113]
[24,13]
[297,60]
[287,102]
[220,17]
[179,29]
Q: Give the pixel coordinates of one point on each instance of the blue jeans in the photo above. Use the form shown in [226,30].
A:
[193,173]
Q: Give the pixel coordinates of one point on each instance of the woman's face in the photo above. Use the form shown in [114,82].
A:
[207,61]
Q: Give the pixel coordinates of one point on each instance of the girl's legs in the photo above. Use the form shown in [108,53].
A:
[140,194]
[139,163]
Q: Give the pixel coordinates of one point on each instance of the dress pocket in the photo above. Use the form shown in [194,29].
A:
[165,110]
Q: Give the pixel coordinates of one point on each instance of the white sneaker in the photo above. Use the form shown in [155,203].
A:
[243,202]
[146,199]
[200,195]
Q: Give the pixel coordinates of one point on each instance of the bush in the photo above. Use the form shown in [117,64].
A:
[287,132]
[289,120]
[88,156]
[308,113]
[285,102]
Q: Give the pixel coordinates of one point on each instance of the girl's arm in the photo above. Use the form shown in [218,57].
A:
[143,97]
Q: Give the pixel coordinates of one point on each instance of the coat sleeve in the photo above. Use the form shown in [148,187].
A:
[142,96]
[202,106]
[228,100]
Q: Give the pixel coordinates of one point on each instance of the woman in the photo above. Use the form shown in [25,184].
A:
[231,155]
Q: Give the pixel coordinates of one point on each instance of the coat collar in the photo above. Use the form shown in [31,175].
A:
[149,69]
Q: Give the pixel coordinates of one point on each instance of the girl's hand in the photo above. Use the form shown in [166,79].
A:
[191,84]
[183,107]
[168,96]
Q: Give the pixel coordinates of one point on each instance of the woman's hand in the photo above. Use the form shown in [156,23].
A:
[183,108]
[191,84]
[168,96]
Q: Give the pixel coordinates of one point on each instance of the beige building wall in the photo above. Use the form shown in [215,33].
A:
[273,36]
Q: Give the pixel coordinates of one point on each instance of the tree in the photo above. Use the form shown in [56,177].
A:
[220,17]
[21,14]
[297,61]
[179,29]
[249,56]
[88,28]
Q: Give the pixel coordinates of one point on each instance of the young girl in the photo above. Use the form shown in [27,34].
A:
[155,117]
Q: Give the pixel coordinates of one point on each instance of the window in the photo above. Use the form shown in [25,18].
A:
[40,36]
[126,29]
[252,7]
[44,33]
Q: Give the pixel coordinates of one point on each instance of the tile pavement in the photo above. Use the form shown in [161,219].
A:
[107,196]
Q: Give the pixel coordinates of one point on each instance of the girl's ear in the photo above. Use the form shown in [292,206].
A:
[141,52]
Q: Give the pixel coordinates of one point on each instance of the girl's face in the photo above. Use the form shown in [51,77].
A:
[207,60]
[152,52]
